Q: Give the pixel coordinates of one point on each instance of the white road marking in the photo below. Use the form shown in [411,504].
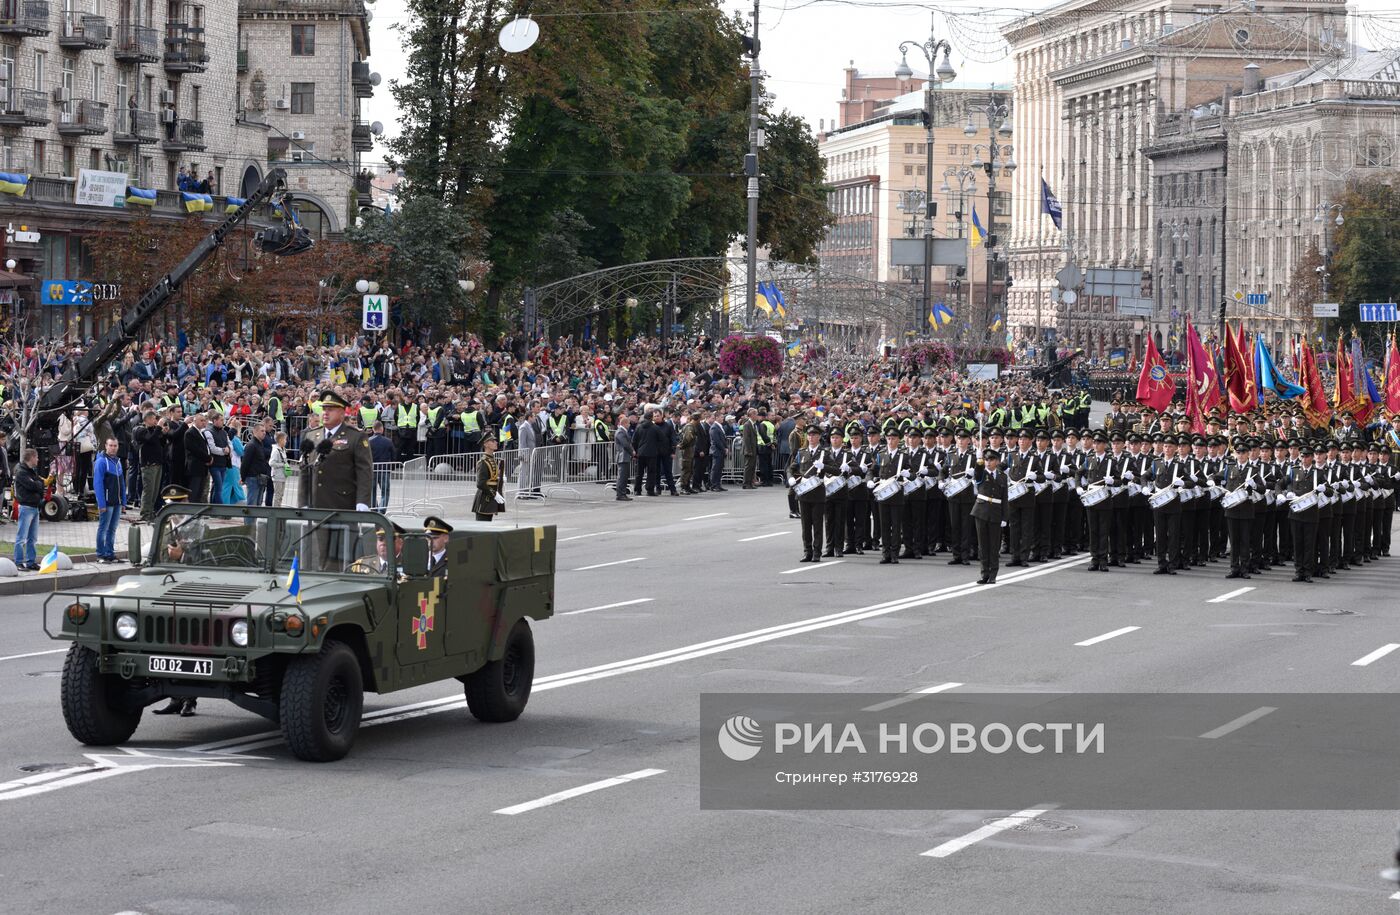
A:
[625,603]
[812,565]
[235,745]
[764,536]
[107,765]
[580,790]
[703,517]
[582,536]
[1224,597]
[986,832]
[604,565]
[1239,722]
[1375,655]
[33,654]
[1106,636]
[910,697]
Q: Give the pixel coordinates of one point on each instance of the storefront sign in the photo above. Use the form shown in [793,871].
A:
[76,292]
[100,189]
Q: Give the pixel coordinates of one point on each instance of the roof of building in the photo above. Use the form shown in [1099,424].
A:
[1363,64]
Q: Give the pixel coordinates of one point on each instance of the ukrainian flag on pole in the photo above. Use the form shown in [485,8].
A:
[978,233]
[294,578]
[768,297]
[50,564]
[940,315]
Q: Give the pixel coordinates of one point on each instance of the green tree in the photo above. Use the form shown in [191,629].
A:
[426,240]
[1366,266]
[792,215]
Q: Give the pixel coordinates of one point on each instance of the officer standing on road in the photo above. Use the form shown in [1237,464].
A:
[989,514]
[489,500]
[340,466]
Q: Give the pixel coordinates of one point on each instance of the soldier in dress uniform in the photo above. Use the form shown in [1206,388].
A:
[1305,479]
[438,531]
[489,501]
[1324,515]
[1167,473]
[1098,471]
[807,463]
[862,465]
[989,512]
[913,521]
[935,505]
[837,504]
[962,461]
[339,465]
[1238,476]
[891,465]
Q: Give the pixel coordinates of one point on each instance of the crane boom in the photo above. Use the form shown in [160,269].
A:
[83,372]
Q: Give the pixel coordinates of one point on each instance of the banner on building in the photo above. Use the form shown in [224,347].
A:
[100,189]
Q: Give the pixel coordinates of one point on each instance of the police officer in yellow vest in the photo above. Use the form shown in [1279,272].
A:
[767,441]
[407,422]
[472,429]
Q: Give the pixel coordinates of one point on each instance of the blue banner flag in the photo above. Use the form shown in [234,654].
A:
[1050,205]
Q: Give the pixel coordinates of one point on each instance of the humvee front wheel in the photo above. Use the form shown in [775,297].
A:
[322,697]
[498,692]
[93,702]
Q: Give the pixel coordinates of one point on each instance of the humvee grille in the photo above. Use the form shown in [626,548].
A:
[196,632]
[205,593]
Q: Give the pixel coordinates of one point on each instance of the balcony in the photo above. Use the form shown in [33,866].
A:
[361,140]
[359,80]
[135,126]
[242,60]
[24,108]
[83,117]
[364,185]
[182,135]
[138,44]
[24,17]
[185,50]
[84,32]
[14,163]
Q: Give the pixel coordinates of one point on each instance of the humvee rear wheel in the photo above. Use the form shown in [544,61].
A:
[322,697]
[498,692]
[93,702]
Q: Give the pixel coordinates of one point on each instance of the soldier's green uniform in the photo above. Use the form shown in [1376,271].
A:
[339,466]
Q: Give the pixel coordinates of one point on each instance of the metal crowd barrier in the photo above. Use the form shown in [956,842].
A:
[555,470]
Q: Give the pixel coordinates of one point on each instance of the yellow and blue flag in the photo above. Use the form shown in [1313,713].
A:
[196,203]
[13,183]
[769,298]
[294,578]
[794,348]
[50,564]
[996,322]
[760,299]
[978,233]
[141,196]
[231,204]
[941,315]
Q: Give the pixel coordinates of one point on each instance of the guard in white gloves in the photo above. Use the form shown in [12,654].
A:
[811,505]
[489,500]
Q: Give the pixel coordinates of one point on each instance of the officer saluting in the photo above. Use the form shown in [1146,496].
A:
[339,467]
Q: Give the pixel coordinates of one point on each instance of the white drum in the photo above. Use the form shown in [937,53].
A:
[1303,503]
[1162,497]
[806,485]
[887,490]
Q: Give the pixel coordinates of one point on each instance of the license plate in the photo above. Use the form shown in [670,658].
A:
[189,667]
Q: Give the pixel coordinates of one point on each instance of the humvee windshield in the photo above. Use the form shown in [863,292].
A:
[229,538]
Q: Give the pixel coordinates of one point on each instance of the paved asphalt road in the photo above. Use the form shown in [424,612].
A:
[410,822]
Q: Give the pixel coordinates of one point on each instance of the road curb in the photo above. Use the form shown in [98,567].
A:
[78,578]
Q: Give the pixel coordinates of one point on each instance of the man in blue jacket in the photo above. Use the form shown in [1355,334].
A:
[109,482]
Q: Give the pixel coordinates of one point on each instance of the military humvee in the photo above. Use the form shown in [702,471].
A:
[210,615]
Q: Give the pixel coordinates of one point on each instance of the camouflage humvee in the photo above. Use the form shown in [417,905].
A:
[210,614]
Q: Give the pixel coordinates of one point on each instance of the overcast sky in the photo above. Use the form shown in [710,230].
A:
[807,43]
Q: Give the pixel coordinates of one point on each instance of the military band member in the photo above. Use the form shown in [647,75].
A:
[935,505]
[489,501]
[438,531]
[1024,466]
[890,466]
[989,513]
[1305,479]
[807,463]
[837,504]
[1098,472]
[913,521]
[1238,476]
[862,464]
[1325,513]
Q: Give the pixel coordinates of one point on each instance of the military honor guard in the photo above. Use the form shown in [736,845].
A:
[489,500]
[989,513]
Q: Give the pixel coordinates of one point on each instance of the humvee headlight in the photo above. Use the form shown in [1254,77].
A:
[239,633]
[125,626]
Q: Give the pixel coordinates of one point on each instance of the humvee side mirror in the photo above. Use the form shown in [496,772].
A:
[415,555]
[133,545]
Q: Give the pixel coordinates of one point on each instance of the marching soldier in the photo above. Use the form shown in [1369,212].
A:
[916,501]
[837,504]
[861,462]
[808,464]
[1325,512]
[891,467]
[1239,477]
[989,514]
[1166,517]
[1023,467]
[1098,472]
[1305,480]
[962,461]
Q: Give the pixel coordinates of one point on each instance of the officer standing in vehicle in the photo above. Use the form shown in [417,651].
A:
[340,467]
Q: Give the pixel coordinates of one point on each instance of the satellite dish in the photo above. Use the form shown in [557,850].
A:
[519,34]
[1069,297]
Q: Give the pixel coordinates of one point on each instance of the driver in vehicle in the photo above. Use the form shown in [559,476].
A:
[378,563]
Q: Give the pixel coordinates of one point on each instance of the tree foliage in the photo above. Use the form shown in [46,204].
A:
[1366,267]
[424,243]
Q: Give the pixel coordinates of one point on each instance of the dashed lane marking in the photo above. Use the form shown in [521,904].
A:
[1224,597]
[1375,655]
[1232,726]
[764,536]
[625,603]
[583,536]
[33,654]
[813,565]
[954,846]
[910,697]
[1106,636]
[604,565]
[589,788]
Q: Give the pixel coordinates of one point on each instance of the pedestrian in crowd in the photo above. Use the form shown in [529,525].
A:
[84,444]
[109,483]
[281,468]
[198,458]
[29,495]
[719,449]
[748,434]
[489,500]
[151,452]
[381,450]
[626,454]
[220,454]
[255,469]
[530,436]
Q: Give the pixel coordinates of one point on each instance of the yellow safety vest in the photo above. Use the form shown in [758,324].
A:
[408,418]
[471,422]
[557,425]
[368,417]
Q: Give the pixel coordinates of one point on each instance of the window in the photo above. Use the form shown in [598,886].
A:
[303,41]
[123,91]
[98,87]
[94,158]
[41,60]
[922,149]
[908,169]
[39,151]
[966,149]
[218,179]
[69,159]
[921,170]
[909,149]
[149,94]
[303,98]
[194,103]
[952,149]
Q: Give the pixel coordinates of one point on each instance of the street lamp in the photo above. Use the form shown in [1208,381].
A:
[361,286]
[991,157]
[944,73]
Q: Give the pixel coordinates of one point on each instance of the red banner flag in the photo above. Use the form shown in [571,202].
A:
[1392,378]
[1343,388]
[1203,384]
[1314,399]
[1155,385]
[1239,379]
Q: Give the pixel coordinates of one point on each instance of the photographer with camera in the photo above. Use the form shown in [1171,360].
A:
[151,439]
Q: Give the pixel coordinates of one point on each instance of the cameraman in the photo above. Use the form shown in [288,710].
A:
[151,439]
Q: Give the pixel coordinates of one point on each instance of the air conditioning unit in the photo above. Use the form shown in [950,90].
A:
[167,97]
[298,135]
[298,156]
[167,117]
[61,95]
[281,104]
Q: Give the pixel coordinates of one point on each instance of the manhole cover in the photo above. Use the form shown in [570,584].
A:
[1038,824]
[44,673]
[1330,611]
[45,767]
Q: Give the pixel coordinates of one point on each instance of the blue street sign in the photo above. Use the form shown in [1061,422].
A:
[1256,298]
[1378,311]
